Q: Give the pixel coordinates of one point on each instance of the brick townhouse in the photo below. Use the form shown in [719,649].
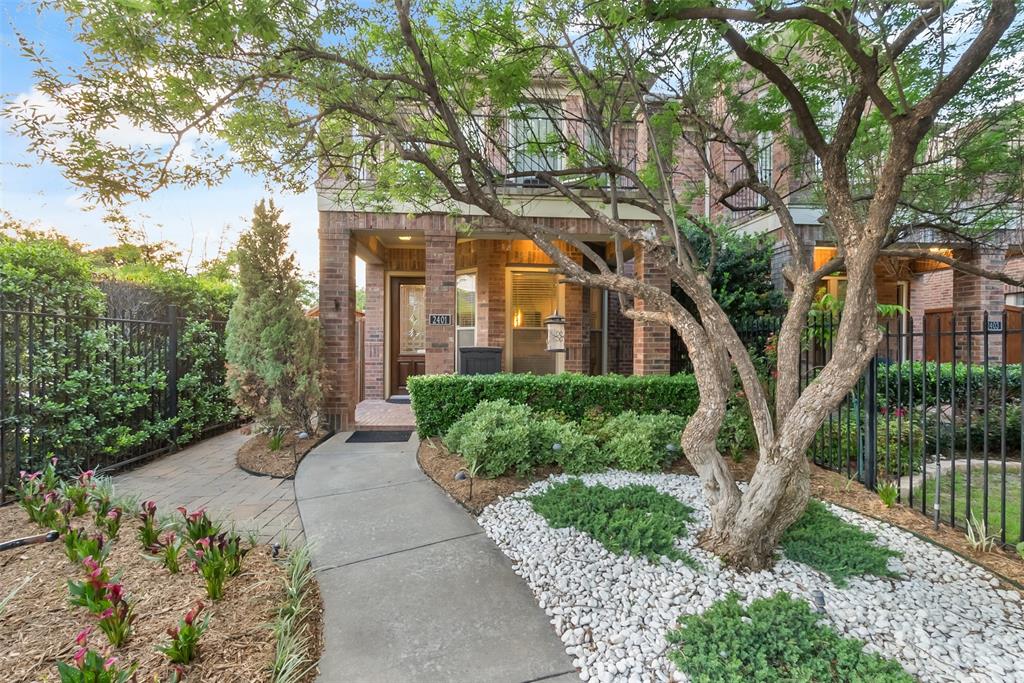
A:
[434,289]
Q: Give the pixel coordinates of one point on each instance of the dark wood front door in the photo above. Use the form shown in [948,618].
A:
[938,337]
[408,331]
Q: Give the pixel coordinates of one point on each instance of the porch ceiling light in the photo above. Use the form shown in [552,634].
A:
[556,332]
[405,238]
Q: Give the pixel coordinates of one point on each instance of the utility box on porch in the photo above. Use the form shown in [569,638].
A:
[479,360]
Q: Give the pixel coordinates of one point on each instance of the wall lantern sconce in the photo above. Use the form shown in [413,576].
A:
[556,332]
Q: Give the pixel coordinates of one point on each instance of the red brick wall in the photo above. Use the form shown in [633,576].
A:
[440,296]
[973,296]
[337,319]
[651,341]
[373,342]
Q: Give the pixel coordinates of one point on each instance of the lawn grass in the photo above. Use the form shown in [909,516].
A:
[957,504]
[636,519]
[773,640]
[825,542]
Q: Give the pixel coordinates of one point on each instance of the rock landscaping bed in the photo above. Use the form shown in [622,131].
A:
[256,457]
[165,595]
[900,602]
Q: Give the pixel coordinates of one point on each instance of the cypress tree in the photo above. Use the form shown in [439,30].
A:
[273,349]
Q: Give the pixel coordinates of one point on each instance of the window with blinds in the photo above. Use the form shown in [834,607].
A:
[465,314]
[465,300]
[533,298]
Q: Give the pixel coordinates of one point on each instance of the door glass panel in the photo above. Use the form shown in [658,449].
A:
[412,318]
[534,298]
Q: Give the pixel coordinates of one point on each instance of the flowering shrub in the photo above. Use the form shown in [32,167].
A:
[77,491]
[79,545]
[185,636]
[105,598]
[198,525]
[111,522]
[149,532]
[217,558]
[92,667]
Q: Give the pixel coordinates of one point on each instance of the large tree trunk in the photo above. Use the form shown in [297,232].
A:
[746,533]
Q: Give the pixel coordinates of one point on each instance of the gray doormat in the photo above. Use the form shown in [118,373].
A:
[399,399]
[390,436]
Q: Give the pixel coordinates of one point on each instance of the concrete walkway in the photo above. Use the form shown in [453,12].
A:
[412,588]
[205,475]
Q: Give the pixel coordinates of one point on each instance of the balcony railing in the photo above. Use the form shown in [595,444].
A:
[522,146]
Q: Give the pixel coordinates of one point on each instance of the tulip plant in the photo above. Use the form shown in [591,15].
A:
[79,545]
[111,522]
[106,598]
[185,636]
[149,532]
[169,550]
[198,525]
[217,558]
[77,492]
[92,667]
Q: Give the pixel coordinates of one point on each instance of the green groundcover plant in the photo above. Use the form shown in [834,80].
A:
[842,550]
[773,640]
[636,519]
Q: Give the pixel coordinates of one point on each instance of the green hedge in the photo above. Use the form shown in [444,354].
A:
[439,400]
[895,381]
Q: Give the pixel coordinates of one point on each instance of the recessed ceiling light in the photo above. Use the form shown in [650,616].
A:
[405,238]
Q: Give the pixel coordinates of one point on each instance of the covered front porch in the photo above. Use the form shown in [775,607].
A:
[434,290]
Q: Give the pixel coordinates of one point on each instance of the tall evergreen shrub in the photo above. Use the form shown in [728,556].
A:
[273,349]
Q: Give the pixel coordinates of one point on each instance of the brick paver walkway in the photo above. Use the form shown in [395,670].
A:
[205,475]
[377,414]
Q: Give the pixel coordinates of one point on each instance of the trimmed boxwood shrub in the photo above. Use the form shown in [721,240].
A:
[498,437]
[494,438]
[439,400]
[642,443]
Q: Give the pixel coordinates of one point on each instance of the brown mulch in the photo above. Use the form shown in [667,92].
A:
[256,457]
[441,466]
[38,626]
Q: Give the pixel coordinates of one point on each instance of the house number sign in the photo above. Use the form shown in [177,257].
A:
[440,319]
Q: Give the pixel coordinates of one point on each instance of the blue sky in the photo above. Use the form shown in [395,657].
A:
[194,219]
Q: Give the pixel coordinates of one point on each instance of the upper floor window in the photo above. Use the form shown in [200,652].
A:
[536,140]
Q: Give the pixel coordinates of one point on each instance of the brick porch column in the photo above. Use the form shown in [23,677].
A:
[651,341]
[577,329]
[373,378]
[974,296]
[440,295]
[337,319]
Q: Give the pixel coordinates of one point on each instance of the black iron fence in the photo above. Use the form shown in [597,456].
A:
[103,392]
[936,416]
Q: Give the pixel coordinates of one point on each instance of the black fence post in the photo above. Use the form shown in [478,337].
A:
[871,438]
[172,370]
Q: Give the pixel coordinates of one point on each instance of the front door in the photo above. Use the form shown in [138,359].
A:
[408,331]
